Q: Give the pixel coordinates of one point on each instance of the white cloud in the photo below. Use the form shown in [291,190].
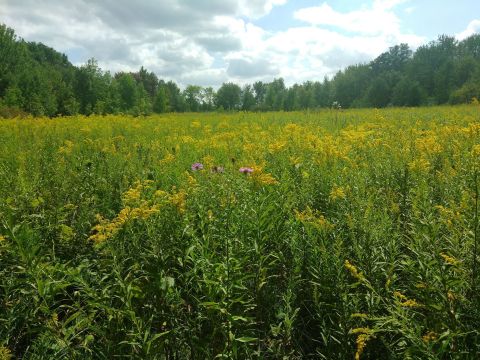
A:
[193,43]
[472,28]
[258,8]
[378,19]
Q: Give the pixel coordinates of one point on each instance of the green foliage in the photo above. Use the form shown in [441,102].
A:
[228,96]
[37,79]
[407,93]
[192,96]
[160,104]
[356,233]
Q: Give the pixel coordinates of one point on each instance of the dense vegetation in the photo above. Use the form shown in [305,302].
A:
[38,80]
[346,234]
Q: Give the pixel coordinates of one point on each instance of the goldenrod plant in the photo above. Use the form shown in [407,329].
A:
[326,234]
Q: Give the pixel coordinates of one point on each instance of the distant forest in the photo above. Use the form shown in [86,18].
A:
[36,79]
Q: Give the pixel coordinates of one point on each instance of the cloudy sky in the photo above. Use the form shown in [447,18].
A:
[208,42]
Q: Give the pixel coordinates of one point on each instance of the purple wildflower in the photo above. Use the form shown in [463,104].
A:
[197,166]
[246,170]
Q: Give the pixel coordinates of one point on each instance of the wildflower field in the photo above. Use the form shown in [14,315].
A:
[337,234]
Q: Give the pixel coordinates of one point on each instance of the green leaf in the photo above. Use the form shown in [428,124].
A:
[246,339]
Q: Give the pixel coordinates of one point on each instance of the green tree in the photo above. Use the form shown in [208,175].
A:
[128,91]
[176,101]
[275,95]
[192,95]
[408,93]
[260,90]
[379,93]
[160,104]
[208,98]
[248,99]
[229,96]
[351,84]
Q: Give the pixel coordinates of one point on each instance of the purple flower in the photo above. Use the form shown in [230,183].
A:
[197,166]
[246,170]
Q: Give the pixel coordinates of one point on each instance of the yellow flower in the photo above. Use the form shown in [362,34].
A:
[208,161]
[354,271]
[420,165]
[133,194]
[449,259]
[430,336]
[409,303]
[337,192]
[264,179]
[5,353]
[276,146]
[362,339]
[360,330]
[404,301]
[428,144]
[108,229]
[313,218]
[178,199]
[168,159]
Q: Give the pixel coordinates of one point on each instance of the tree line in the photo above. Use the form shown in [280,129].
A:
[38,80]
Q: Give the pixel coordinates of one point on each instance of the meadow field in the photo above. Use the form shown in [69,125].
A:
[331,234]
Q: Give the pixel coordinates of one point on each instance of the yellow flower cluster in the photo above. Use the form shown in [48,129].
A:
[428,144]
[264,179]
[178,198]
[135,208]
[276,146]
[404,301]
[108,229]
[476,150]
[168,159]
[448,216]
[5,353]
[133,194]
[428,337]
[365,334]
[337,192]
[66,148]
[449,259]
[313,218]
[354,271]
[419,165]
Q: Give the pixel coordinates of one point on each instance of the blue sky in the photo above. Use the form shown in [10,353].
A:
[428,18]
[213,41]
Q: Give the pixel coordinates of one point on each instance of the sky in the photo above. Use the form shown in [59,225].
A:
[209,42]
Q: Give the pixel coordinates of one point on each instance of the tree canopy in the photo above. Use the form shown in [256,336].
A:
[36,79]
